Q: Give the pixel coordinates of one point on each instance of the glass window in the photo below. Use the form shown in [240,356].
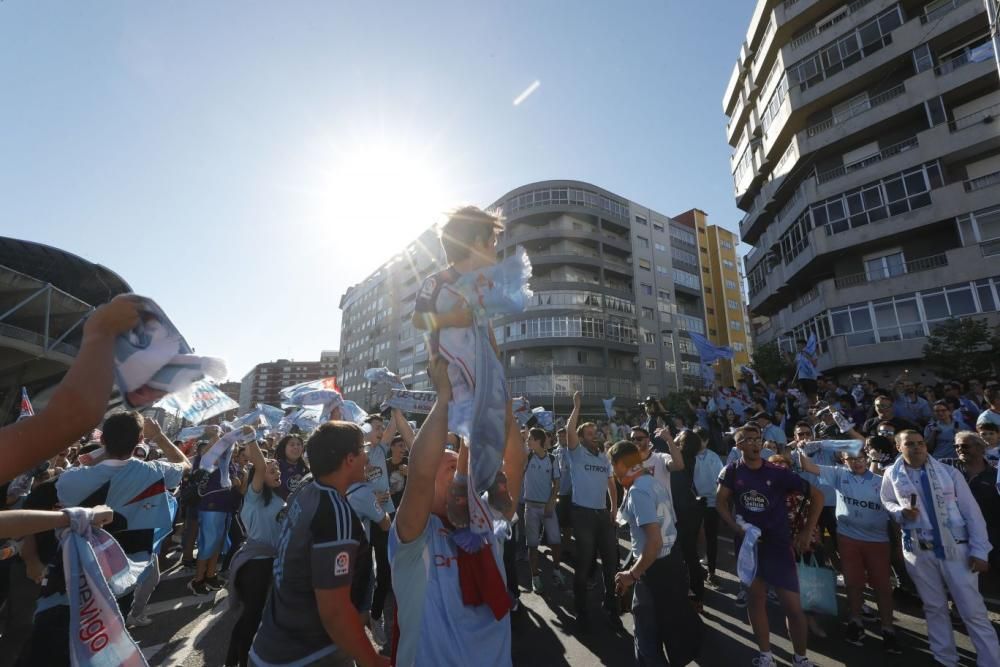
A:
[935,306]
[841,321]
[639,220]
[657,226]
[961,301]
[644,264]
[651,364]
[986,299]
[648,313]
[647,289]
[643,241]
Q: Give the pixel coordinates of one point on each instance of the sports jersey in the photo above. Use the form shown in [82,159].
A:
[292,475]
[759,497]
[212,496]
[565,470]
[590,474]
[860,515]
[322,546]
[657,463]
[646,502]
[435,626]
[263,522]
[538,477]
[437,296]
[361,495]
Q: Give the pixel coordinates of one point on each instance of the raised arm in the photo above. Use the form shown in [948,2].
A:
[676,456]
[572,441]
[79,401]
[403,426]
[152,432]
[425,458]
[259,465]
[514,456]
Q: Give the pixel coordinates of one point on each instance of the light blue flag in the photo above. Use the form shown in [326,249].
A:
[501,289]
[204,401]
[811,345]
[707,373]
[522,410]
[609,406]
[545,418]
[707,350]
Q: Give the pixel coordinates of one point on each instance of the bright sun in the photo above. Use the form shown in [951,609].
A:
[391,192]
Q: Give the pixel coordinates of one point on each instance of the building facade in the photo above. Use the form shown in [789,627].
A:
[617,287]
[262,384]
[867,160]
[722,290]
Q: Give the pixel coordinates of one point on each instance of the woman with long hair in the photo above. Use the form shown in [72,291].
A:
[262,514]
[292,465]
[690,512]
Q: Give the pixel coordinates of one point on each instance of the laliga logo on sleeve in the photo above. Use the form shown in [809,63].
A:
[754,501]
[342,564]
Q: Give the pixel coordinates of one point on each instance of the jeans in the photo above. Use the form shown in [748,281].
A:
[146,587]
[594,531]
[711,523]
[253,581]
[663,617]
[383,580]
[22,594]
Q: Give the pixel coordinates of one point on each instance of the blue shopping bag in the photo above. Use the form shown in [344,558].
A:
[817,587]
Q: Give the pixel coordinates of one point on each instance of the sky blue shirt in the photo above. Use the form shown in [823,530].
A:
[774,434]
[538,477]
[435,626]
[945,444]
[916,411]
[707,467]
[823,458]
[805,367]
[378,473]
[565,472]
[860,515]
[263,522]
[361,496]
[646,502]
[590,473]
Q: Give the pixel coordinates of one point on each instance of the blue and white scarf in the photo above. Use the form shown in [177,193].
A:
[220,455]
[203,400]
[153,360]
[97,571]
[417,402]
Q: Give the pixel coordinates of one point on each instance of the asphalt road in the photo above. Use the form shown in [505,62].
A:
[194,631]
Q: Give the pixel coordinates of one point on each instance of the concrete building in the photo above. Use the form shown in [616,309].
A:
[617,286]
[262,384]
[993,14]
[722,289]
[867,160]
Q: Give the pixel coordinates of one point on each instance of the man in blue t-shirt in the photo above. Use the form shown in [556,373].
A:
[755,491]
[541,487]
[564,504]
[862,541]
[593,526]
[137,491]
[806,371]
[451,604]
[664,619]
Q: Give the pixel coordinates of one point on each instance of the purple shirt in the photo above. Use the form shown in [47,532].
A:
[215,498]
[759,497]
[292,475]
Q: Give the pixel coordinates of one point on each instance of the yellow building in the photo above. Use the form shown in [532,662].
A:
[722,287]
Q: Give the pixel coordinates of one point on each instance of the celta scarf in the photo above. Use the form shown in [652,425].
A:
[220,454]
[97,571]
[849,447]
[746,563]
[938,479]
[405,400]
[153,360]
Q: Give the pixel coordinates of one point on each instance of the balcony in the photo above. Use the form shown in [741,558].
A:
[940,11]
[987,181]
[987,116]
[913,266]
[867,105]
[973,54]
[885,153]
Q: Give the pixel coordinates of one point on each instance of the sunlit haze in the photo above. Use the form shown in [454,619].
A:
[245,163]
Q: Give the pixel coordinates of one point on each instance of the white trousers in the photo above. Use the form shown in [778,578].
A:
[935,579]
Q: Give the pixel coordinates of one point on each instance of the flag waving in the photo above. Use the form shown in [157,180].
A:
[26,409]
[708,351]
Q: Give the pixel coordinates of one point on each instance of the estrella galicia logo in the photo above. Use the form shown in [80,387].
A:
[754,501]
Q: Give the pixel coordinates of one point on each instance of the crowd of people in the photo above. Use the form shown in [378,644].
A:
[347,545]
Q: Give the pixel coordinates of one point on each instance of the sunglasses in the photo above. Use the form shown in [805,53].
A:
[640,438]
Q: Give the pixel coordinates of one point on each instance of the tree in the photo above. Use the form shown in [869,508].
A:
[771,363]
[962,349]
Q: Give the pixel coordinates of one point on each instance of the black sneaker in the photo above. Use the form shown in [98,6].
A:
[869,613]
[192,563]
[855,634]
[890,643]
[582,624]
[215,583]
[199,587]
[614,619]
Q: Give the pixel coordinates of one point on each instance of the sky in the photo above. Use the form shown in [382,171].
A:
[244,163]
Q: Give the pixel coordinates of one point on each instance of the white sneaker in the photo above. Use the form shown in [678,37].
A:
[378,634]
[141,620]
[802,662]
[764,660]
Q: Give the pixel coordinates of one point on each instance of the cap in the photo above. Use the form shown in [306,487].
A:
[762,414]
[143,447]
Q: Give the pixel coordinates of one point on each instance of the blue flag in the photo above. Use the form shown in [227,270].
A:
[811,345]
[609,406]
[707,350]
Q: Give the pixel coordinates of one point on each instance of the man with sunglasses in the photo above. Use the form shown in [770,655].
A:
[885,411]
[939,434]
[862,541]
[660,465]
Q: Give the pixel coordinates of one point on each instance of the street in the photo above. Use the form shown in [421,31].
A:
[194,631]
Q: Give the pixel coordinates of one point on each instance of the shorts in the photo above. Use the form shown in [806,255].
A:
[213,533]
[863,561]
[776,565]
[535,520]
[563,510]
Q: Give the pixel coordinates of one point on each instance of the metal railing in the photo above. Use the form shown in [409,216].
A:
[913,266]
[883,154]
[968,55]
[873,102]
[990,248]
[802,300]
[987,115]
[986,181]
[941,10]
[808,36]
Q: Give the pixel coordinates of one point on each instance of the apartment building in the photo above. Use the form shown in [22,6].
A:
[722,290]
[867,161]
[617,287]
[262,384]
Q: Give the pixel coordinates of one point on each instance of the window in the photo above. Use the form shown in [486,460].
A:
[651,364]
[739,347]
[728,264]
[732,305]
[885,266]
[647,289]
[582,357]
[658,227]
[660,247]
[644,264]
[662,270]
[710,311]
[735,325]
[639,220]
[649,337]
[663,294]
[683,235]
[727,245]
[704,249]
[704,269]
[713,332]
[648,313]
[730,284]
[686,279]
[643,241]
[684,256]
